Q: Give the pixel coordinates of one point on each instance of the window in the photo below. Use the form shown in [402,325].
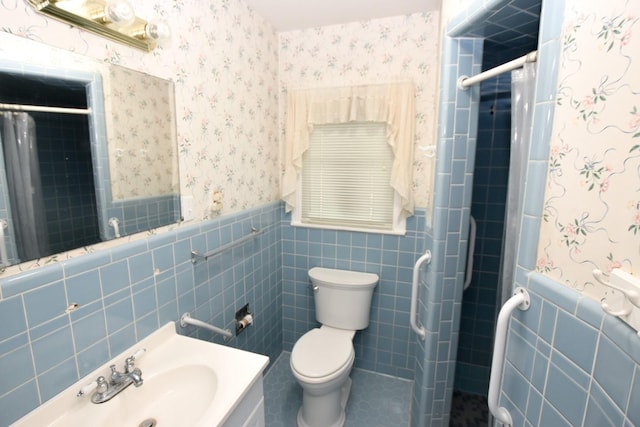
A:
[348,157]
[345,179]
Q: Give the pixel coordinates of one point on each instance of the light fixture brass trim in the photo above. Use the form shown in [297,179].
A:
[133,35]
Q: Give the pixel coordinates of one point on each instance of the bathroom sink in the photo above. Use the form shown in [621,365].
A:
[161,397]
[186,382]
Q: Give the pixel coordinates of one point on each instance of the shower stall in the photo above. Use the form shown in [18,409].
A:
[474,156]
[66,215]
[502,144]
[496,208]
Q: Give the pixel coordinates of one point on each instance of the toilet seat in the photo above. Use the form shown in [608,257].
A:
[321,354]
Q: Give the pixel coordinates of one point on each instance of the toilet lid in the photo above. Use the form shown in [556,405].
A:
[319,354]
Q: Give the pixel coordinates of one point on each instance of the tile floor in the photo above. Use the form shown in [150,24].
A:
[376,400]
[469,410]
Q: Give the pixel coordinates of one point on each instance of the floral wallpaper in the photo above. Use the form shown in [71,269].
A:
[591,215]
[141,134]
[223,61]
[377,51]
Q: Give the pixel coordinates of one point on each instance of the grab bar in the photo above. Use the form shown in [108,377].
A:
[196,254]
[115,223]
[414,295]
[472,245]
[521,300]
[186,319]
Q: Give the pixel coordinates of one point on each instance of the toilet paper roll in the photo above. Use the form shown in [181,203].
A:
[245,321]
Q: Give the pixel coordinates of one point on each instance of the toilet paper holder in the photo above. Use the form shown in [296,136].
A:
[243,318]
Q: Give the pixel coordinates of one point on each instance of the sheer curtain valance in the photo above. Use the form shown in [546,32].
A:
[393,104]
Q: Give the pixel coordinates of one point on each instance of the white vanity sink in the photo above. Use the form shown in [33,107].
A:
[187,382]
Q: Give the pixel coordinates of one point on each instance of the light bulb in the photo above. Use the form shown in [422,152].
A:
[158,30]
[119,13]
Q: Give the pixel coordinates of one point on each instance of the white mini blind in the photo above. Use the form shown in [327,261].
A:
[346,176]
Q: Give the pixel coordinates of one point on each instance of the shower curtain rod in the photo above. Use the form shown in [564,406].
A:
[44,109]
[465,81]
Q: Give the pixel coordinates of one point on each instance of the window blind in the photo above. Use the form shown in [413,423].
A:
[346,176]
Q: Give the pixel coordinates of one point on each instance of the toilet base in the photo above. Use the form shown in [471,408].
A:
[344,398]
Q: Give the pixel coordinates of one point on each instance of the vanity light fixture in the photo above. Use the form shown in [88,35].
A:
[113,19]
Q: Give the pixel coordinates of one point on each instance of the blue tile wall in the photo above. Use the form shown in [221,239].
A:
[387,345]
[567,362]
[67,181]
[144,213]
[495,20]
[125,293]
[441,286]
[487,207]
[582,367]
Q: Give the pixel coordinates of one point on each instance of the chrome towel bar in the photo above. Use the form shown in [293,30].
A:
[195,255]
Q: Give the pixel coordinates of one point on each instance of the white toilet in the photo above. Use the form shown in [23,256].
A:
[321,359]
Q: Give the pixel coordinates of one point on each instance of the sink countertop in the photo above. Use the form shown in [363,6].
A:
[235,370]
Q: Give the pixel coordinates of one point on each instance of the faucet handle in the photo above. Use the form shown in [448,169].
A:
[139,353]
[87,388]
[129,362]
[101,384]
[114,373]
[129,365]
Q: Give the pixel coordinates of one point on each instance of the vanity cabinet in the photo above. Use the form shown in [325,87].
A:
[250,410]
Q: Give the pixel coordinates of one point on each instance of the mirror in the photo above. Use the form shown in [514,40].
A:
[106,150]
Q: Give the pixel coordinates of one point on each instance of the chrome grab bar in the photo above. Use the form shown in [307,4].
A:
[186,319]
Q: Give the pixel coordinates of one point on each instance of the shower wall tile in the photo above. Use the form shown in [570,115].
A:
[502,24]
[127,292]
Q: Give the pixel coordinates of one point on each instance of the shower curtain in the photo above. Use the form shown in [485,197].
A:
[24,185]
[522,101]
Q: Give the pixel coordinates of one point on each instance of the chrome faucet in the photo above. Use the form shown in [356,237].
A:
[118,381]
[130,373]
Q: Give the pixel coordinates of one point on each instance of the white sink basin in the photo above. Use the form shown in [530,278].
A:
[187,382]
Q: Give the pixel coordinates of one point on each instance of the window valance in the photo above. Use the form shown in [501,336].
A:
[393,104]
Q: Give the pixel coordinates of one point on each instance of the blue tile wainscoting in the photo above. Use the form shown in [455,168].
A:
[127,292]
[387,345]
[568,363]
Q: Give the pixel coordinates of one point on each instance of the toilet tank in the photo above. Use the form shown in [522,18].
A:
[342,297]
